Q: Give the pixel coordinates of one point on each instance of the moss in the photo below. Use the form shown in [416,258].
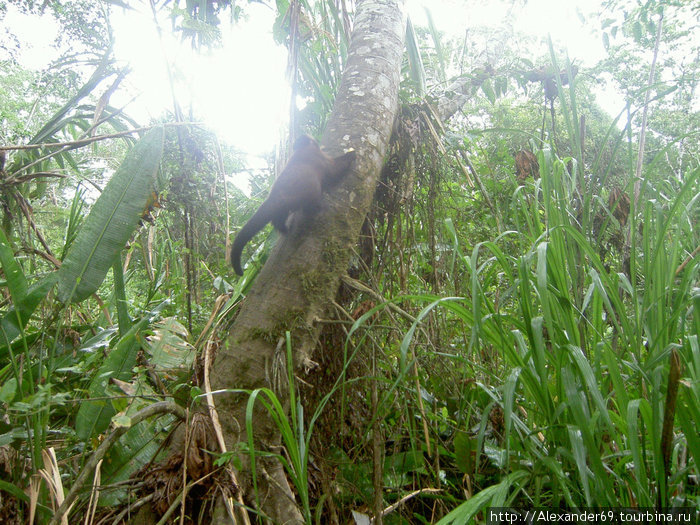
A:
[269,336]
[292,321]
[310,283]
[330,254]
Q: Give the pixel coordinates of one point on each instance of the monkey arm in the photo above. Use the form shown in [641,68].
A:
[338,168]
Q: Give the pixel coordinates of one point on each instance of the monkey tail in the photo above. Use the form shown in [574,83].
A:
[256,223]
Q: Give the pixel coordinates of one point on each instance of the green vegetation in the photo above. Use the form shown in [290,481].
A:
[514,330]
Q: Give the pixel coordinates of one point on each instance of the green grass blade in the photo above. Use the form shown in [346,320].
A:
[467,510]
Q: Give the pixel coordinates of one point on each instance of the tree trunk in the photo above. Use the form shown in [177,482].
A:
[303,271]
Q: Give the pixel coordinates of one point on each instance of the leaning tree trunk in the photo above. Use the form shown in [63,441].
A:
[302,274]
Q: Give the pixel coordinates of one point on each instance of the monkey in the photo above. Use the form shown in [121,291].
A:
[300,186]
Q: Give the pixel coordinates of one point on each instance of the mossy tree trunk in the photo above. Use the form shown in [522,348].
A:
[302,274]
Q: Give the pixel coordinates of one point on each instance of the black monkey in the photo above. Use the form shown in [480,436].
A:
[299,187]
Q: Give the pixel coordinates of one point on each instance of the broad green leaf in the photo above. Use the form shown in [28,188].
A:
[464,445]
[94,416]
[8,390]
[19,345]
[16,282]
[637,31]
[134,449]
[111,221]
[487,88]
[633,442]
[579,451]
[435,35]
[168,346]
[509,389]
[13,322]
[589,380]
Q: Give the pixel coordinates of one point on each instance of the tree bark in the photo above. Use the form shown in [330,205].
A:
[302,274]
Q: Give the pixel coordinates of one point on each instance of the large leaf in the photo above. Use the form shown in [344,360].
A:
[16,282]
[131,453]
[111,221]
[24,299]
[170,352]
[17,317]
[94,415]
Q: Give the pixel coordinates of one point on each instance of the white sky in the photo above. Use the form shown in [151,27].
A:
[535,17]
[240,90]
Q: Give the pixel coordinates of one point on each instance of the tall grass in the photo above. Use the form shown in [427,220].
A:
[574,380]
[599,378]
[581,372]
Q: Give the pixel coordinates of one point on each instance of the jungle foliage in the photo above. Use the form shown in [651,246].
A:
[519,325]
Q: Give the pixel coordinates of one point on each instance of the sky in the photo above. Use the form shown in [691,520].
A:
[535,17]
[240,91]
